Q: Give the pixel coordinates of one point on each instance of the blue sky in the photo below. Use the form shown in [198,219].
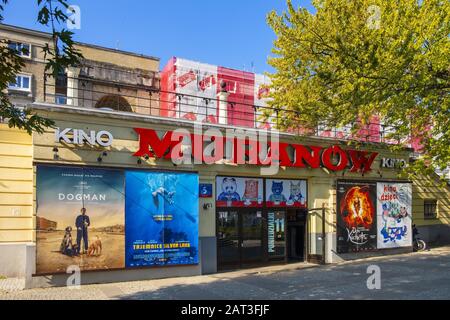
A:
[231,33]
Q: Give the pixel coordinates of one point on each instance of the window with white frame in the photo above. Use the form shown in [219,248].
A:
[21,49]
[23,83]
[60,99]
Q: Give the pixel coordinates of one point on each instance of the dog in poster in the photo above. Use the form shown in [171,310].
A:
[95,248]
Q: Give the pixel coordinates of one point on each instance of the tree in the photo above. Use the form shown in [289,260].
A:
[59,54]
[351,60]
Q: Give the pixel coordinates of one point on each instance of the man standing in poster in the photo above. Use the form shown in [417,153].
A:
[61,195]
[82,223]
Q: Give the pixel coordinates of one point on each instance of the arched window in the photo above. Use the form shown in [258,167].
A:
[115,102]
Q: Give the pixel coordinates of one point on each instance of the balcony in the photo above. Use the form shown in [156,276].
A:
[98,86]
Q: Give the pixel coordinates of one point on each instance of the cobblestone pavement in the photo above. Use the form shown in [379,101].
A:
[408,276]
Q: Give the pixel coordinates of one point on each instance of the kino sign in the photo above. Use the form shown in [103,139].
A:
[170,147]
[393,163]
[102,138]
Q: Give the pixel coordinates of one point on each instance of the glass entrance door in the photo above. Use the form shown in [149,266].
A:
[228,242]
[251,236]
[239,238]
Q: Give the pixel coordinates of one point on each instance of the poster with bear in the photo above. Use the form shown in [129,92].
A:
[394,215]
[239,192]
[286,193]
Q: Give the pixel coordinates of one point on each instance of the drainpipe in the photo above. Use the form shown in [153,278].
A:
[222,96]
[324,234]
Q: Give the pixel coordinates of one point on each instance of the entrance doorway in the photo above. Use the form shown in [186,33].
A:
[296,242]
[296,235]
[239,238]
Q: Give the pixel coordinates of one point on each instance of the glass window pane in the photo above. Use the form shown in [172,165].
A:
[228,237]
[13,46]
[252,236]
[15,84]
[25,49]
[59,99]
[25,82]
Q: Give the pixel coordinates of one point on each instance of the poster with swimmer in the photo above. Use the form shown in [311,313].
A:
[161,218]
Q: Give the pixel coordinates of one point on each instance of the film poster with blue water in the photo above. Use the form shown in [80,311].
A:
[161,218]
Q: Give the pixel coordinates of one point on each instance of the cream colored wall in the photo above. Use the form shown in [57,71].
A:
[428,188]
[320,183]
[118,58]
[16,186]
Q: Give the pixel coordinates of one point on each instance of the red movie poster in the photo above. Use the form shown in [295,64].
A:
[356,216]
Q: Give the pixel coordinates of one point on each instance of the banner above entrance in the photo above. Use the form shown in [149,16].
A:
[239,192]
[286,193]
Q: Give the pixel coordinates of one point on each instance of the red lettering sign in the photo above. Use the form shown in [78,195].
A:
[328,158]
[333,158]
[360,160]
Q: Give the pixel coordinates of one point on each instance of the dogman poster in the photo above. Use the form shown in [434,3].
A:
[80,219]
[394,207]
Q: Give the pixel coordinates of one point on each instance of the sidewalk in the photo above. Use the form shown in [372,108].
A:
[11,285]
[292,281]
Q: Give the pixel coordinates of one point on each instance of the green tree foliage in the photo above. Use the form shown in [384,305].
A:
[59,54]
[354,59]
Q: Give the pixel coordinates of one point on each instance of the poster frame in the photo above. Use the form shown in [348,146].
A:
[162,171]
[412,221]
[37,164]
[376,208]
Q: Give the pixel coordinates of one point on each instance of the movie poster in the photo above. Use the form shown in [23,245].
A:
[239,192]
[92,238]
[394,215]
[286,193]
[161,218]
[356,216]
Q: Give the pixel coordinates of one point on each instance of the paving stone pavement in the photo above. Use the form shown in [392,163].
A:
[422,275]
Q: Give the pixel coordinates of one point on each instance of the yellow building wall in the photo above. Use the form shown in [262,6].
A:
[120,58]
[16,186]
[430,188]
[18,150]
[321,188]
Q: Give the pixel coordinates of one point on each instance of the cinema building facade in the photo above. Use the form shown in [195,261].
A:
[169,190]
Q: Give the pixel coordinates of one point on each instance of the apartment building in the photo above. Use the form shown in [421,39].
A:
[106,78]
